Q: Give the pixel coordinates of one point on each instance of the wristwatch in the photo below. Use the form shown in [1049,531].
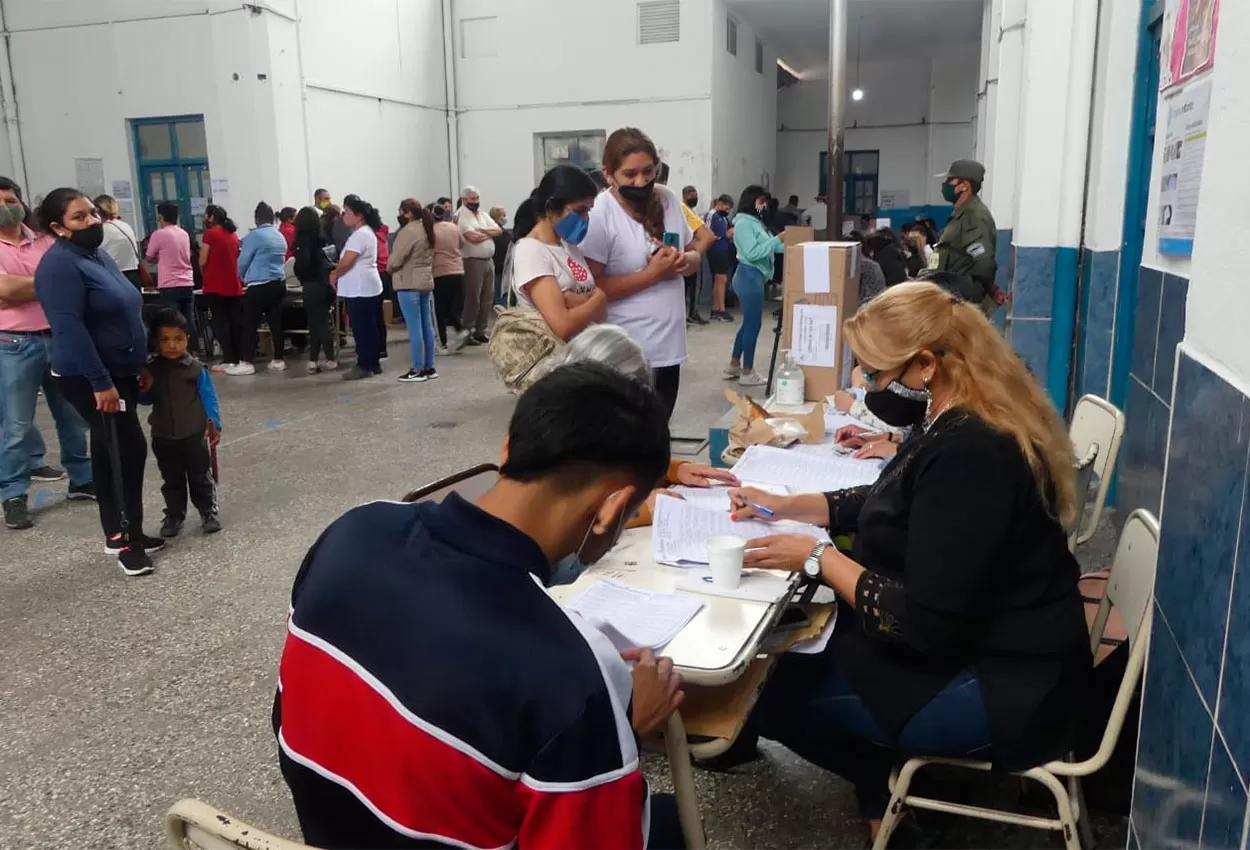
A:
[811,567]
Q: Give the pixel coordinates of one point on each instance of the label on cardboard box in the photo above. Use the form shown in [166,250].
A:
[814,335]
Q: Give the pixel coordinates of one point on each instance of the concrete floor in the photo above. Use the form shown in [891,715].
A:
[119,696]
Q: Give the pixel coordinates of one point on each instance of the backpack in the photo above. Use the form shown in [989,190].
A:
[522,346]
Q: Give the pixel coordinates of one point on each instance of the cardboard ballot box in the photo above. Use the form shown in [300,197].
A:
[820,290]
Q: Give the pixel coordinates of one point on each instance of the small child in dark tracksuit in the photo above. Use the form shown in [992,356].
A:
[185,421]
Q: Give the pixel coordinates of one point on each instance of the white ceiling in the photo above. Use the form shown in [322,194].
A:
[890,29]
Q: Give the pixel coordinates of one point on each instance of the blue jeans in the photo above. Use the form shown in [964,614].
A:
[24,370]
[182,300]
[418,310]
[749,284]
[810,707]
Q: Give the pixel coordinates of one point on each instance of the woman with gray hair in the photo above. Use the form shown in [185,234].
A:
[612,346]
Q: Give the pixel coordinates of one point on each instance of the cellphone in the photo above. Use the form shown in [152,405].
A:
[672,240]
[792,618]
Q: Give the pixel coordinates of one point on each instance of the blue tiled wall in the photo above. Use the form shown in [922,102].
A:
[1097,310]
[1194,746]
[1032,290]
[1159,325]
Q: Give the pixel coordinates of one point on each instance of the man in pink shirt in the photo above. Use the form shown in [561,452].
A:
[25,350]
[170,248]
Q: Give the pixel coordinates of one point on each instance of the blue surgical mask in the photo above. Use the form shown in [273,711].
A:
[567,569]
[572,228]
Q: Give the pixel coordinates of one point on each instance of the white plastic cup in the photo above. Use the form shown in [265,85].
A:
[724,556]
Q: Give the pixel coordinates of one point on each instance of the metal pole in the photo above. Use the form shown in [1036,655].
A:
[837,113]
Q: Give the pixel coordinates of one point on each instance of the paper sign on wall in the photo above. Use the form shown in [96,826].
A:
[89,175]
[883,223]
[816,267]
[814,335]
[894,198]
[220,186]
[1184,147]
[198,206]
[121,190]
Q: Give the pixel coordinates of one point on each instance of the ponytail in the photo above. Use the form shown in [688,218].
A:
[218,214]
[412,205]
[653,216]
[526,217]
[561,186]
[365,210]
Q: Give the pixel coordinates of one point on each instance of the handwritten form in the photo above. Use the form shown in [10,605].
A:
[717,498]
[630,617]
[804,472]
[680,531]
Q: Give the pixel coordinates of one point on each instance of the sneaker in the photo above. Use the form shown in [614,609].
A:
[697,319]
[722,316]
[277,365]
[330,365]
[412,376]
[171,527]
[134,561]
[356,373]
[113,545]
[311,368]
[384,356]
[457,340]
[481,339]
[471,340]
[241,369]
[441,350]
[17,514]
[732,372]
[430,374]
[220,368]
[46,473]
[752,379]
[81,492]
[211,524]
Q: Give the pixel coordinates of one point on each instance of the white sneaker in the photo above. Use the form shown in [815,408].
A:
[237,369]
[222,367]
[331,365]
[277,365]
[752,379]
[311,368]
[456,340]
[731,372]
[440,350]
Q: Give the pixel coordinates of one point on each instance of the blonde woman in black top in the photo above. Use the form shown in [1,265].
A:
[960,630]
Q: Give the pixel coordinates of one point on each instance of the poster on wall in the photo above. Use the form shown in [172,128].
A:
[89,175]
[1188,46]
[1180,175]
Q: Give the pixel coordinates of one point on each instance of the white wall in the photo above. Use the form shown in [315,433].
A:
[902,101]
[376,101]
[744,113]
[567,65]
[1219,300]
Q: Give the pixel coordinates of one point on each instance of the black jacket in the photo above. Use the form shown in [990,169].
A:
[311,263]
[966,568]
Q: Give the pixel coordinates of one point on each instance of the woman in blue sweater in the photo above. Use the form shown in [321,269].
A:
[755,247]
[99,352]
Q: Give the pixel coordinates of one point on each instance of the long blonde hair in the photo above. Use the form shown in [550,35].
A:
[986,377]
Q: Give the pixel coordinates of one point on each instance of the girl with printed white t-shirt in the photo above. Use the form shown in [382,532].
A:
[641,275]
[549,271]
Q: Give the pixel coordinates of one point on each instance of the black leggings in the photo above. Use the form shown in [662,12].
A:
[667,380]
[229,326]
[388,294]
[263,301]
[448,302]
[319,301]
[132,450]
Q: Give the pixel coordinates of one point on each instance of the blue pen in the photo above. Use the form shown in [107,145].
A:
[765,511]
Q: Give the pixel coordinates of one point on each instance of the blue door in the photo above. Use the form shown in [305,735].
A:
[172,155]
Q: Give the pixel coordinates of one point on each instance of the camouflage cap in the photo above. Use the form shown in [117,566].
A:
[965,169]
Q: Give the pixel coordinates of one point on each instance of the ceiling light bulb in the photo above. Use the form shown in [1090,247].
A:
[858,94]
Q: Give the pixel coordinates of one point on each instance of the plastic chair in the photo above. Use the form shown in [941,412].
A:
[1131,590]
[192,825]
[1097,425]
[469,484]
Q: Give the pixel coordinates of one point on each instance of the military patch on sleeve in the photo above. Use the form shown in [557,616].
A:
[975,250]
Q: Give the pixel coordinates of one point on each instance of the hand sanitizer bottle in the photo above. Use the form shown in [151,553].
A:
[790,384]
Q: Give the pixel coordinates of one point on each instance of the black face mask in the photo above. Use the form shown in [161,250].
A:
[898,405]
[472,207]
[637,195]
[88,239]
[402,221]
[692,201]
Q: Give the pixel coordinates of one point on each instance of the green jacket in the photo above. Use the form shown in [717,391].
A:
[755,245]
[968,244]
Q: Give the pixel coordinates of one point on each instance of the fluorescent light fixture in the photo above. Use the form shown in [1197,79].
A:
[789,70]
[858,94]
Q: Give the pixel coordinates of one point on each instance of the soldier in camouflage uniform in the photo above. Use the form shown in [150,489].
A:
[968,242]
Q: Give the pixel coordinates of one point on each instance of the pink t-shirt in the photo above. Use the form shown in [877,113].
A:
[170,248]
[21,259]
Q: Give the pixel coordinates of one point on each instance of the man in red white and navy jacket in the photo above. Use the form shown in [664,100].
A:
[431,693]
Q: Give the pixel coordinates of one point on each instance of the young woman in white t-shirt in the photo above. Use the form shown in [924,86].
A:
[639,248]
[549,272]
[358,283]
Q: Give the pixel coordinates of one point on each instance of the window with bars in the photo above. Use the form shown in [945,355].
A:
[582,149]
[860,171]
[659,22]
[731,36]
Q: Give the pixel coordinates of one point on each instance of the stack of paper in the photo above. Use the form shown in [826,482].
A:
[680,531]
[632,617]
[717,498]
[804,472]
